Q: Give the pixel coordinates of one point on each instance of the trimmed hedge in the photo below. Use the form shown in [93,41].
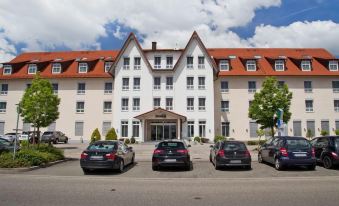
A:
[127,141]
[197,139]
[219,138]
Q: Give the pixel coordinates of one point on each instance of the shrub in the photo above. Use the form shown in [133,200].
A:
[197,139]
[204,140]
[111,134]
[95,135]
[132,140]
[309,134]
[219,138]
[24,143]
[323,133]
[336,132]
[255,142]
[127,141]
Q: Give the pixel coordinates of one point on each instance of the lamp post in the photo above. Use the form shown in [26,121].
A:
[16,130]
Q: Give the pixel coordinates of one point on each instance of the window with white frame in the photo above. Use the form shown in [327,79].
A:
[108,88]
[169,62]
[124,128]
[202,103]
[79,128]
[156,83]
[3,107]
[201,82]
[106,126]
[125,84]
[80,107]
[137,63]
[225,129]
[335,86]
[156,102]
[107,106]
[124,104]
[32,68]
[4,89]
[83,67]
[336,105]
[169,103]
[190,104]
[252,86]
[308,86]
[190,83]
[56,68]
[7,70]
[224,65]
[225,106]
[305,65]
[169,83]
[201,62]
[126,63]
[309,105]
[135,129]
[108,66]
[251,65]
[281,84]
[136,83]
[136,104]
[157,62]
[189,62]
[81,88]
[55,87]
[279,65]
[333,65]
[202,128]
[190,128]
[224,86]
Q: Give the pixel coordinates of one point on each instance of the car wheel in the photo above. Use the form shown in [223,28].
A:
[260,160]
[86,171]
[277,164]
[66,141]
[56,141]
[216,166]
[121,166]
[155,167]
[188,166]
[311,167]
[328,163]
[132,161]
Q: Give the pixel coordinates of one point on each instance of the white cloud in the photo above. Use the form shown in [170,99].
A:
[7,50]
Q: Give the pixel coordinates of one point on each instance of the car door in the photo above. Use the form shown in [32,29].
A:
[129,153]
[124,153]
[214,150]
[264,149]
[317,148]
[272,150]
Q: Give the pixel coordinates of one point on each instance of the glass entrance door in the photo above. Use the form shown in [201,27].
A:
[163,131]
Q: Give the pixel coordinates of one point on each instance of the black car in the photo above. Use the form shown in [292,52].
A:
[230,153]
[171,153]
[112,155]
[287,151]
[326,150]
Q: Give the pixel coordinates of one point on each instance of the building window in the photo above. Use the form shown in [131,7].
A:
[3,106]
[224,65]
[253,129]
[169,83]
[305,65]
[81,88]
[224,86]
[279,65]
[137,63]
[80,107]
[107,106]
[169,62]
[281,84]
[309,105]
[136,104]
[55,87]
[252,87]
[108,88]
[335,86]
[124,104]
[201,62]
[125,84]
[190,83]
[106,126]
[297,128]
[126,63]
[83,67]
[108,66]
[308,86]
[4,89]
[7,70]
[156,83]
[202,128]
[310,126]
[202,104]
[190,104]
[79,129]
[333,66]
[56,68]
[251,65]
[136,83]
[28,86]
[135,131]
[156,102]
[169,103]
[124,128]
[325,126]
[225,106]
[336,105]
[190,129]
[201,82]
[157,62]
[225,129]
[189,62]
[32,68]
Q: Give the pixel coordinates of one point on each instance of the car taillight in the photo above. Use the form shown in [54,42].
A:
[158,151]
[221,153]
[110,156]
[335,155]
[283,152]
[83,155]
[182,151]
[247,153]
[313,152]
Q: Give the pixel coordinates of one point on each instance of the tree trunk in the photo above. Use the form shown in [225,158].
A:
[33,136]
[272,131]
[38,135]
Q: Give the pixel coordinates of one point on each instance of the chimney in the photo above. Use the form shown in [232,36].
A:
[154,45]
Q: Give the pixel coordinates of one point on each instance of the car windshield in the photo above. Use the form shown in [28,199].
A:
[234,146]
[298,144]
[103,146]
[4,142]
[171,145]
[10,134]
[47,133]
[336,143]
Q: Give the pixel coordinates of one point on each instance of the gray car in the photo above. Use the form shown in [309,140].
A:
[6,146]
[10,136]
[54,137]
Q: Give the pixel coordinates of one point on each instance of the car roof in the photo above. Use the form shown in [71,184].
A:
[4,139]
[173,140]
[105,141]
[290,137]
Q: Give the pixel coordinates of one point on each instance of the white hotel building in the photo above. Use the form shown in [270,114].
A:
[155,94]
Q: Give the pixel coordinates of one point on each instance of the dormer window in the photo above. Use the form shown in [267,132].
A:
[7,70]
[305,65]
[201,62]
[279,65]
[157,62]
[56,68]
[333,65]
[83,67]
[32,68]
[251,65]
[108,66]
[126,63]
[224,65]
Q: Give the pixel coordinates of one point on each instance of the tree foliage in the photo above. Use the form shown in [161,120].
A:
[111,135]
[95,135]
[266,103]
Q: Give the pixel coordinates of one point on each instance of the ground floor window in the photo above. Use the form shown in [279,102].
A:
[310,125]
[124,128]
[296,128]
[190,128]
[337,124]
[52,126]
[2,128]
[325,126]
[225,129]
[253,129]
[136,126]
[105,127]
[79,129]
[202,128]
[26,127]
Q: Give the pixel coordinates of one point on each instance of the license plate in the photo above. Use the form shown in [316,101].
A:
[96,158]
[235,161]
[300,155]
[170,160]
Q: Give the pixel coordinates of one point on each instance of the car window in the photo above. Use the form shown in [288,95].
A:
[314,142]
[234,146]
[171,145]
[322,142]
[4,142]
[275,142]
[102,146]
[297,144]
[336,143]
[269,141]
[48,133]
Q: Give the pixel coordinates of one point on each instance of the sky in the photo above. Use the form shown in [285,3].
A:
[57,25]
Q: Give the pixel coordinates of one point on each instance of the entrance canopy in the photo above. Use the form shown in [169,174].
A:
[160,114]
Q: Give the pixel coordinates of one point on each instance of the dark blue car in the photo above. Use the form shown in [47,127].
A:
[287,151]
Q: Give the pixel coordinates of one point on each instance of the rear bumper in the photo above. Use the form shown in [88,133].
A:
[297,162]
[223,161]
[91,164]
[169,161]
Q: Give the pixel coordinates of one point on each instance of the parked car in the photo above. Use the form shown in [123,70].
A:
[28,135]
[54,136]
[11,136]
[230,153]
[326,150]
[7,146]
[112,155]
[171,153]
[287,151]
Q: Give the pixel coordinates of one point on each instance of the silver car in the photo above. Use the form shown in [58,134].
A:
[10,136]
[54,137]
